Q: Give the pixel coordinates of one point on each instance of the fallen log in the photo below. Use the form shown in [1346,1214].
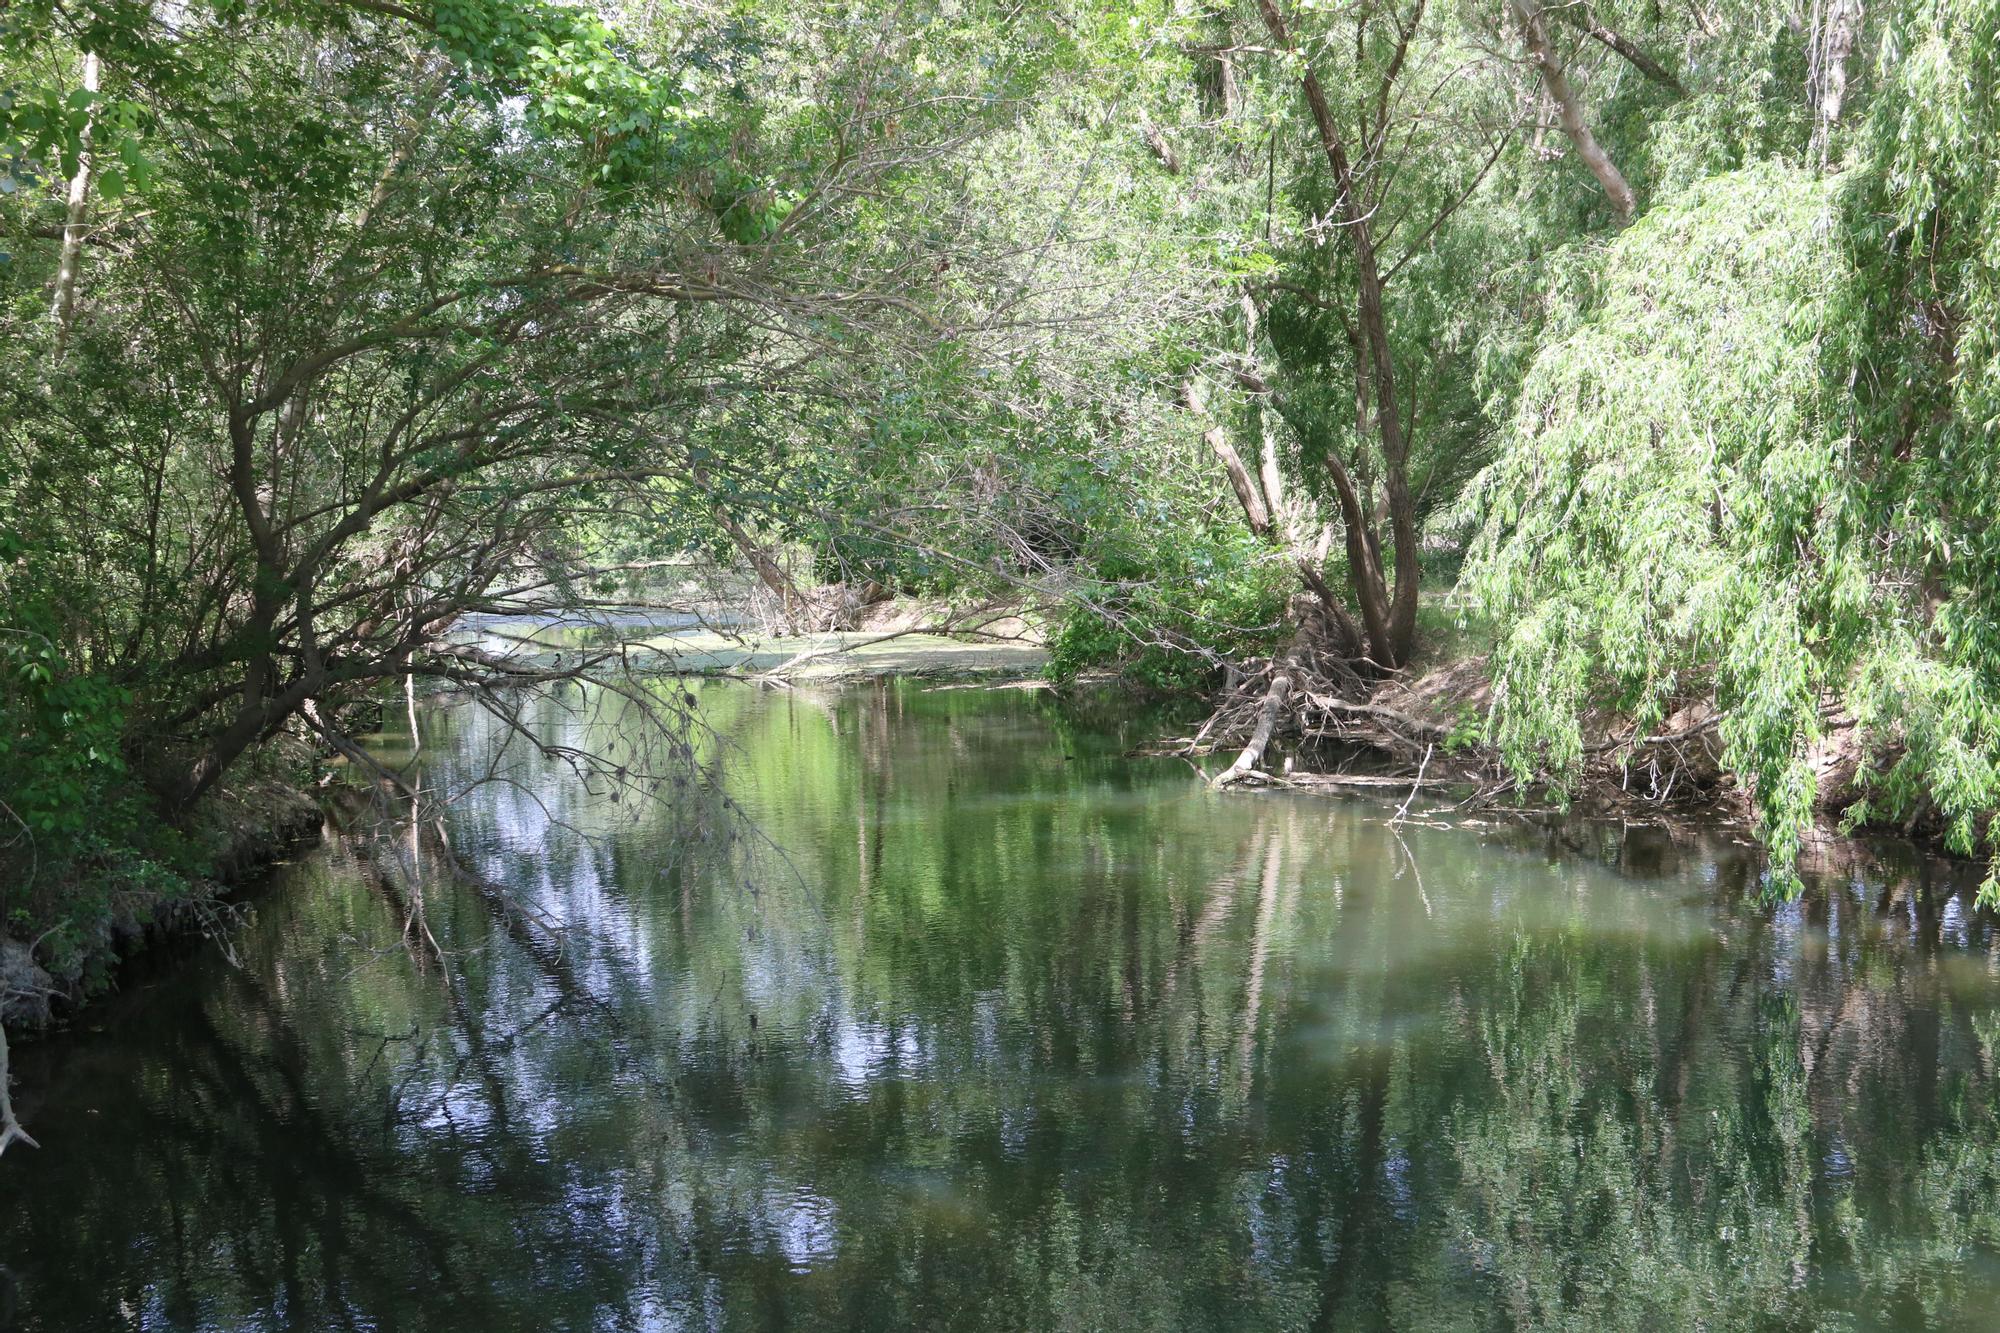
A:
[1267,722]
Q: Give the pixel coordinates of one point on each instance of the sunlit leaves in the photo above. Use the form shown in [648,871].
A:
[1654,530]
[1748,468]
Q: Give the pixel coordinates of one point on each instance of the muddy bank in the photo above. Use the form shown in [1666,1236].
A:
[244,826]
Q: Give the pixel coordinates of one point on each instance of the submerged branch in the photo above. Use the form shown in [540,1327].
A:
[10,1128]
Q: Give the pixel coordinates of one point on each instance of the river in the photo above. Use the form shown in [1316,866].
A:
[957,1017]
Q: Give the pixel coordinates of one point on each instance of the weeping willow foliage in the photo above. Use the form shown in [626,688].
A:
[1658,517]
[1925,365]
[1757,458]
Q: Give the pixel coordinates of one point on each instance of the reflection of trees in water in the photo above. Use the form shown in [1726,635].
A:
[1768,1151]
[1018,1037]
[235,1186]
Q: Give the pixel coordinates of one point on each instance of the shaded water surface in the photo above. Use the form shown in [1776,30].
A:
[1020,1033]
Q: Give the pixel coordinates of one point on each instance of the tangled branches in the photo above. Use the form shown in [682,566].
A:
[1346,730]
[1314,699]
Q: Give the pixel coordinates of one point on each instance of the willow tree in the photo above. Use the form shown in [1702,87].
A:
[1749,464]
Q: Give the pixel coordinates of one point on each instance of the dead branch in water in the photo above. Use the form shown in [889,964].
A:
[1331,710]
[1311,698]
[10,1128]
[1268,711]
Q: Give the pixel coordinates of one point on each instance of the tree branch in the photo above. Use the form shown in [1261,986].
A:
[1542,52]
[1580,16]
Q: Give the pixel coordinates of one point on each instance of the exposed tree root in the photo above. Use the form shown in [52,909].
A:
[1333,713]
[10,1128]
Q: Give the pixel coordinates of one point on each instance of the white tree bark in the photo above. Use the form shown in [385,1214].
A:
[63,311]
[1284,514]
[1260,739]
[10,1128]
[1542,52]
[1836,29]
[1256,512]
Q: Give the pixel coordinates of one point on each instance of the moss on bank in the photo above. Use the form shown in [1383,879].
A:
[64,939]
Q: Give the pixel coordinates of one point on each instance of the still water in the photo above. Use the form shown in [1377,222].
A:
[960,1018]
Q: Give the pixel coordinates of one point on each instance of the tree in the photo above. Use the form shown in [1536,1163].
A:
[1739,467]
[1397,164]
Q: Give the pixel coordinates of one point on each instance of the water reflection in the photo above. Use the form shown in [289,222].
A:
[1005,1030]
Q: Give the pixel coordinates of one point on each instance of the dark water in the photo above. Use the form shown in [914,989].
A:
[1022,1034]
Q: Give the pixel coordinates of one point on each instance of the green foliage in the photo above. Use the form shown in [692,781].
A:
[458,305]
[1169,618]
[581,82]
[1742,465]
[574,78]
[43,131]
[1657,519]
[60,729]
[77,835]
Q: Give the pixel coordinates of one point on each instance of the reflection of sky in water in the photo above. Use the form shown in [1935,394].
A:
[1014,1127]
[1954,926]
[1788,925]
[864,1051]
[803,1225]
[1026,1033]
[458,1110]
[1396,1181]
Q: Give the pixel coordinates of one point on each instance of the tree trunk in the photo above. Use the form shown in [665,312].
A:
[1255,511]
[1348,640]
[1398,634]
[1292,535]
[63,308]
[1832,42]
[1409,571]
[263,710]
[1285,515]
[792,603]
[1528,13]
[1364,568]
[1162,148]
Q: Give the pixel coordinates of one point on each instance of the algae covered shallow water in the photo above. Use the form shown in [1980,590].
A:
[981,1024]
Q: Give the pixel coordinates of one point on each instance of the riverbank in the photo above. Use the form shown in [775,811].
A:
[1418,739]
[250,821]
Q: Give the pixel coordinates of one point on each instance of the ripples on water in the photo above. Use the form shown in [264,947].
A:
[1019,1033]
